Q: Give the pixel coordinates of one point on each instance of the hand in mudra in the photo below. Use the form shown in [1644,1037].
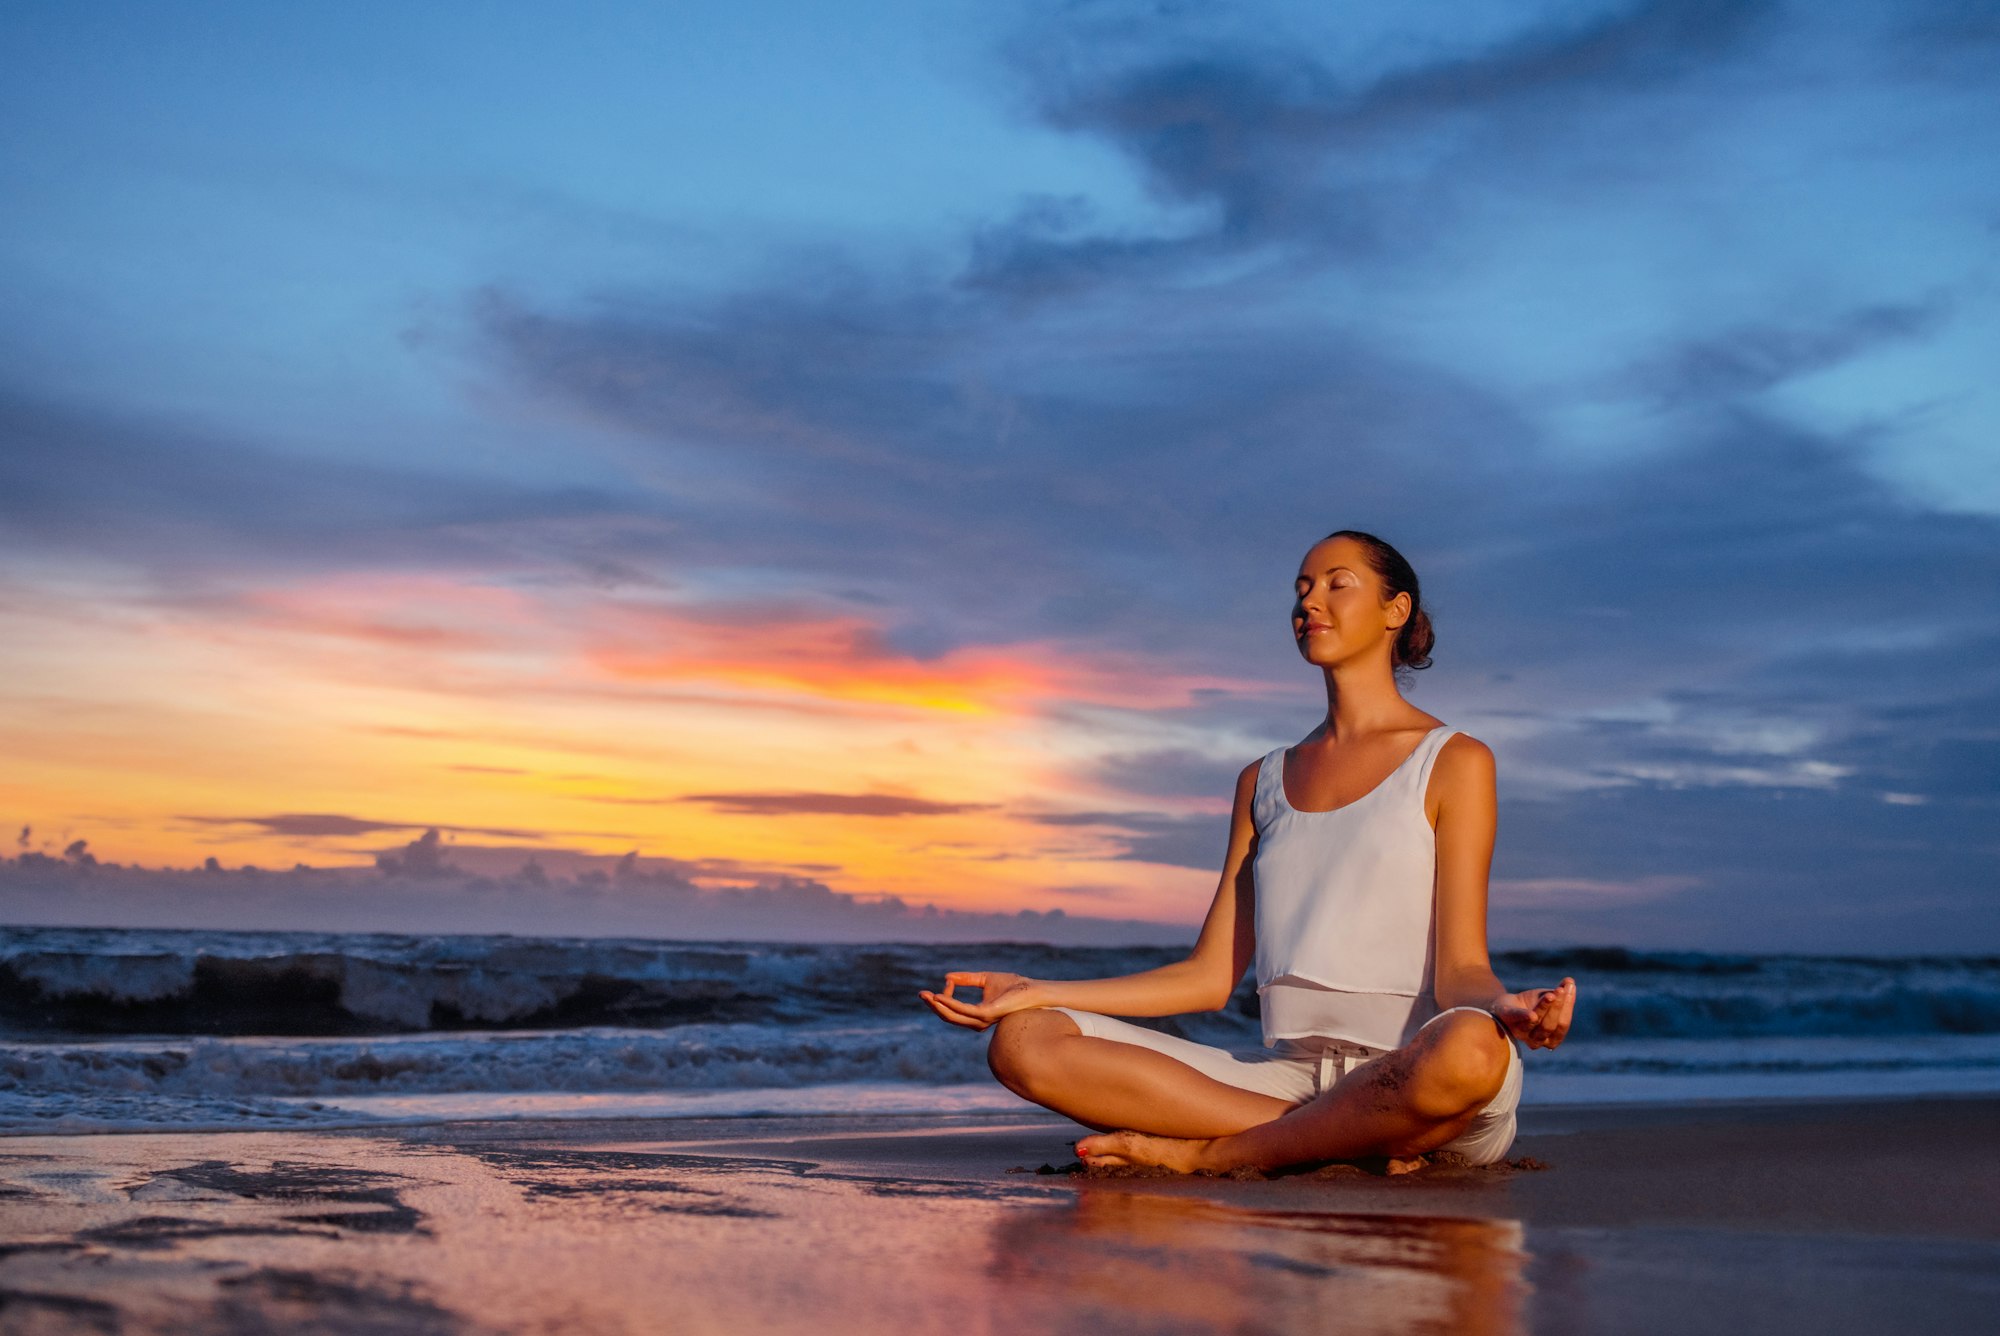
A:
[1000,994]
[1538,1017]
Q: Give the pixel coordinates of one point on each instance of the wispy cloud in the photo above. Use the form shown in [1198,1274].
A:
[174,500]
[324,825]
[827,804]
[1150,837]
[1728,365]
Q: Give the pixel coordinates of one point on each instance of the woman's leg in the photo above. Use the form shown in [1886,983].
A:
[1403,1103]
[1044,1056]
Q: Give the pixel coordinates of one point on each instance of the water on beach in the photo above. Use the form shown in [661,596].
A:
[107,1030]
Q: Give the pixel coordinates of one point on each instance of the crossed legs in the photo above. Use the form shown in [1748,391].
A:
[1164,1112]
[1041,1055]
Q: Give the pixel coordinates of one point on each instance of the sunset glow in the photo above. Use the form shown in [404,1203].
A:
[858,453]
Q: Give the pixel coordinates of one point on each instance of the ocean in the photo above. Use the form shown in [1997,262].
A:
[133,1030]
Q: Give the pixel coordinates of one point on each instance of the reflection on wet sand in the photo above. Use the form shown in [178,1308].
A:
[439,1231]
[1134,1255]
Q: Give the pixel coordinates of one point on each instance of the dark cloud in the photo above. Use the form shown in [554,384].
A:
[319,825]
[1624,48]
[1746,541]
[1047,502]
[1948,38]
[1151,837]
[1772,868]
[169,499]
[828,804]
[1736,362]
[603,898]
[1286,149]
[470,858]
[1171,773]
[422,858]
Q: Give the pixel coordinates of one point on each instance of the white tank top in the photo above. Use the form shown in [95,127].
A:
[1345,907]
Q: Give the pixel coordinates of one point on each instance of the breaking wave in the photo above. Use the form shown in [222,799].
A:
[103,1029]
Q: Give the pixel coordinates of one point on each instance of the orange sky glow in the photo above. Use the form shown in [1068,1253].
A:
[525,723]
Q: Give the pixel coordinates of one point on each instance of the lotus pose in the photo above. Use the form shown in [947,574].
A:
[1355,878]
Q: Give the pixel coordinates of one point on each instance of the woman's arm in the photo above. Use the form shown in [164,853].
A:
[1201,982]
[1467,819]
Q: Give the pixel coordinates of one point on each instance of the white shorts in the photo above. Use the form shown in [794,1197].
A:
[1299,1069]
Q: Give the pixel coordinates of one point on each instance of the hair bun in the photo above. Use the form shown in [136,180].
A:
[1413,645]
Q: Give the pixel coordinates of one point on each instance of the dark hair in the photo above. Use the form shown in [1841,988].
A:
[1416,637]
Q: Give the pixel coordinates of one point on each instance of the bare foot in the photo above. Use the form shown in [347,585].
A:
[1181,1156]
[1409,1166]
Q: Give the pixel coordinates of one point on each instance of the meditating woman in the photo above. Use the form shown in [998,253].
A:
[1355,877]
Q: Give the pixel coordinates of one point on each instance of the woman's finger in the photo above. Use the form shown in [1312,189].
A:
[940,999]
[1568,1011]
[1538,1018]
[1553,1024]
[936,1004]
[1558,1001]
[975,1011]
[1531,1029]
[931,1001]
[970,978]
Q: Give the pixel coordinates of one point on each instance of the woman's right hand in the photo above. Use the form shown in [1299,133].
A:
[999,995]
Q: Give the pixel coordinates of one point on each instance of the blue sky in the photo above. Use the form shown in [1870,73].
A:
[1659,336]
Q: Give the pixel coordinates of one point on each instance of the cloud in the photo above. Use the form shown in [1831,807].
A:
[422,858]
[1748,868]
[1019,513]
[625,897]
[1171,772]
[1734,363]
[168,499]
[1289,150]
[1150,837]
[829,804]
[773,647]
[322,825]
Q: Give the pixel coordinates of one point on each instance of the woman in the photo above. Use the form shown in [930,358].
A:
[1356,879]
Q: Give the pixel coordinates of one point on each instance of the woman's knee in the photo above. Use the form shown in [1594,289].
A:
[1019,1051]
[1461,1066]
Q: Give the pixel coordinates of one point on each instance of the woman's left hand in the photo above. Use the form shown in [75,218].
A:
[1538,1017]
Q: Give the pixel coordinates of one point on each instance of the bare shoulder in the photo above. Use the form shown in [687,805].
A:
[1464,766]
[1461,750]
[1246,783]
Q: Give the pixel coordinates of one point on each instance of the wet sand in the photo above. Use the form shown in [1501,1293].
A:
[1853,1217]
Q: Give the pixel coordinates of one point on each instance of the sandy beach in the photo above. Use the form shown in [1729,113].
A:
[1829,1217]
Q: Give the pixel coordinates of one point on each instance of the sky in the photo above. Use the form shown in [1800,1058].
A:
[851,461]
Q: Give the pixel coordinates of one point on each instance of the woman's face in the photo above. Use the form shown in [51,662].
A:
[1338,609]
